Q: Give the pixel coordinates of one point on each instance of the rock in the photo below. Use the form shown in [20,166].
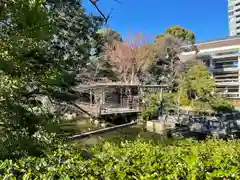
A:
[74,115]
[68,116]
[91,120]
[103,124]
[96,122]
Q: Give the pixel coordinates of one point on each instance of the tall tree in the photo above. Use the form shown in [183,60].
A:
[131,59]
[98,68]
[179,32]
[109,35]
[196,86]
[43,48]
[74,39]
[199,81]
[168,64]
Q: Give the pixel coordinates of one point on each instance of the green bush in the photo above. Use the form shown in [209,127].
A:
[140,159]
[209,104]
[201,106]
[184,101]
[152,102]
[221,104]
[217,104]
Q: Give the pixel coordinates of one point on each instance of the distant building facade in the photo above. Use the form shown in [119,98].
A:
[222,56]
[234,17]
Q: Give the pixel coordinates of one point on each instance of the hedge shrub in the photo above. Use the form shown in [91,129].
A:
[152,102]
[140,159]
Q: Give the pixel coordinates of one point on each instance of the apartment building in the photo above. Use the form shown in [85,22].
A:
[234,17]
[222,56]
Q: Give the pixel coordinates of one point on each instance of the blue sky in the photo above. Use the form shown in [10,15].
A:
[208,19]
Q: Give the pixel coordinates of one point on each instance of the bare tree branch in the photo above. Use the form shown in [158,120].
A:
[131,58]
[94,3]
[118,1]
[106,18]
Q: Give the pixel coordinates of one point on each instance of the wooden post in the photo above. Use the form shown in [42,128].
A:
[142,92]
[161,103]
[130,98]
[91,97]
[121,96]
[102,96]
[139,97]
[101,100]
[142,97]
[161,93]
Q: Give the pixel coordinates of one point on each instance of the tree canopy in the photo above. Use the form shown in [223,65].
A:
[167,61]
[44,47]
[179,32]
[197,89]
[200,80]
[131,59]
[109,35]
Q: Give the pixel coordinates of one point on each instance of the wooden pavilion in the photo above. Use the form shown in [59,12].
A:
[108,99]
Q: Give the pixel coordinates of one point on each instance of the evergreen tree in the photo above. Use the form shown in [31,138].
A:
[43,48]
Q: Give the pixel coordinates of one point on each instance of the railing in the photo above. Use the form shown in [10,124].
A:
[224,69]
[109,108]
[227,53]
[227,83]
[225,66]
[230,95]
[227,80]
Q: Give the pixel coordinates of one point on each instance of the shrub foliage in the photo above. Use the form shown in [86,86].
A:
[140,159]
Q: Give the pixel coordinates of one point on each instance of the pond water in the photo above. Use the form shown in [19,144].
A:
[127,133]
[78,126]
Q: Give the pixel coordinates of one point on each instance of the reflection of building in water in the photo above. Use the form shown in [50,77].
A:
[221,56]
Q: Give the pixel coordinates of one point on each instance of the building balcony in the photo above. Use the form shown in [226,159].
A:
[230,94]
[215,56]
[223,69]
[228,83]
[226,80]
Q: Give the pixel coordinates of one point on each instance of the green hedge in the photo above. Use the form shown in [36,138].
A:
[216,104]
[185,159]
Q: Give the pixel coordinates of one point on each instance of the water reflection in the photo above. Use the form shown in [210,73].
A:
[78,126]
[127,133]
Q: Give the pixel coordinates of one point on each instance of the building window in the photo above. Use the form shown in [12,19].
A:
[237,16]
[235,63]
[231,13]
[230,8]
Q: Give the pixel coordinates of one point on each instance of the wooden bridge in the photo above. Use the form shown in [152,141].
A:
[109,99]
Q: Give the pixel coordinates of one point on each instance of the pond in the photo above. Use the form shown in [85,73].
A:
[126,133]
